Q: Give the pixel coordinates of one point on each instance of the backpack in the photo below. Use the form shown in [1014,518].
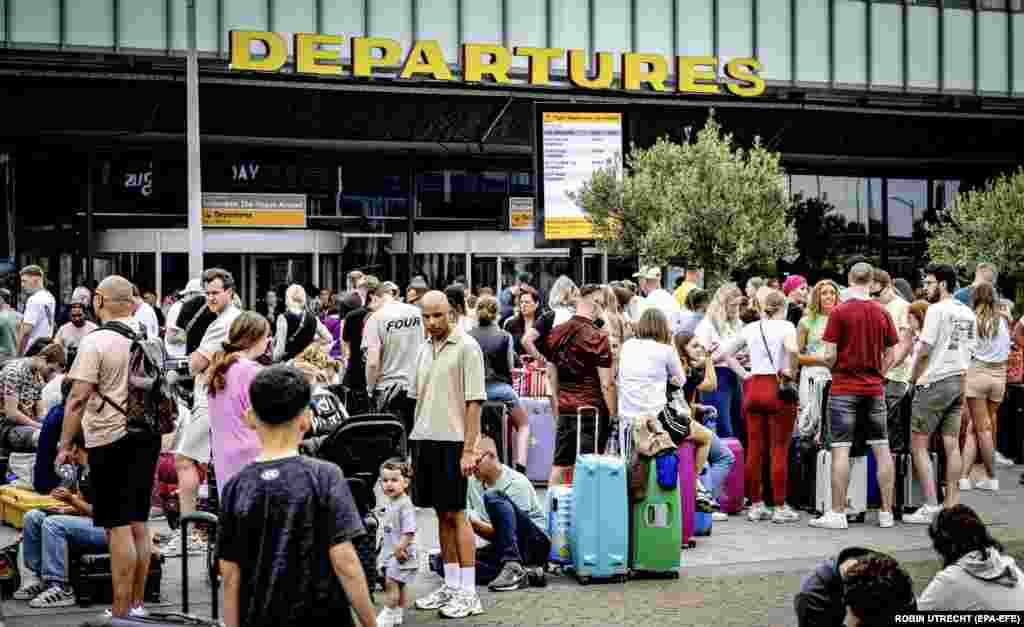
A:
[150,407]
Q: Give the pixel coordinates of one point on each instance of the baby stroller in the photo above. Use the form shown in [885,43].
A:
[359,446]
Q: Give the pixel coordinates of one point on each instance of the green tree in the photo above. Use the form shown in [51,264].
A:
[817,225]
[983,225]
[717,205]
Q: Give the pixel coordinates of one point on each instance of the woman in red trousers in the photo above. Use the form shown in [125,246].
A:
[771,342]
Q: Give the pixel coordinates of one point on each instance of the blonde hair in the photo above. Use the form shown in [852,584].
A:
[295,297]
[814,308]
[985,311]
[563,293]
[718,310]
[247,329]
[487,310]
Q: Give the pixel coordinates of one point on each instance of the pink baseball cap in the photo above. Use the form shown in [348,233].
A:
[793,282]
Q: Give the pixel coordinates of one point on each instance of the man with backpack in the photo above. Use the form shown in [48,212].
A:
[122,457]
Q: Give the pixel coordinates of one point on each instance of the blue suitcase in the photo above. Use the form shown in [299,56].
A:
[599,533]
[559,524]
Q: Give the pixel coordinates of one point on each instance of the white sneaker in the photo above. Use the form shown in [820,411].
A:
[1001,459]
[886,520]
[719,516]
[30,590]
[965,485]
[785,514]
[988,485]
[923,516]
[759,511]
[134,612]
[54,596]
[830,520]
[462,605]
[386,618]
[436,599]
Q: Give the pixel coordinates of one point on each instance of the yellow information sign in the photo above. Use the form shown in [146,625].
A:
[254,210]
[520,213]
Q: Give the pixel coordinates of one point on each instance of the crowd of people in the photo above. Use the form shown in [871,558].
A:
[865,365]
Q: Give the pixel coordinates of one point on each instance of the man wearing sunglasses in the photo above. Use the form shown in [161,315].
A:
[503,509]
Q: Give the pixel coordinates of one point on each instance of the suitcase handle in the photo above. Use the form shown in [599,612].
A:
[195,517]
[579,428]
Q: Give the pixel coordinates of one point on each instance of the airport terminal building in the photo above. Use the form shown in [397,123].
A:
[401,137]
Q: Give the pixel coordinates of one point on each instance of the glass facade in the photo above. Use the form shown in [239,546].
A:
[812,41]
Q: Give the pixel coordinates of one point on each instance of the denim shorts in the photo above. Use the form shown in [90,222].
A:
[938,405]
[852,415]
[501,392]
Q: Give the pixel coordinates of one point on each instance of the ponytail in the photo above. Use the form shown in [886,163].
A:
[247,329]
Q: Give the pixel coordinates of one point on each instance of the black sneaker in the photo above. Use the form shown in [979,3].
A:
[512,577]
[1022,479]
[537,577]
[520,469]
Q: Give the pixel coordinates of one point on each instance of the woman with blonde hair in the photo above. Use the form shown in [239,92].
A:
[498,348]
[773,359]
[985,386]
[721,323]
[233,441]
[615,325]
[814,371]
[298,327]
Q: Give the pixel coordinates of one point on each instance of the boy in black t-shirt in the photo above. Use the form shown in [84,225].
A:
[287,523]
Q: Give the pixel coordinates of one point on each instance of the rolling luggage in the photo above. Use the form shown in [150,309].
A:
[175,619]
[542,440]
[494,424]
[803,456]
[856,494]
[874,491]
[730,500]
[702,522]
[599,535]
[91,579]
[656,528]
[687,492]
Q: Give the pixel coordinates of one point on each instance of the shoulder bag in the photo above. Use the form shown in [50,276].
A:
[788,391]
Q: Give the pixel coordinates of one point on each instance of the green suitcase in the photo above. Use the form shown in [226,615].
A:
[656,526]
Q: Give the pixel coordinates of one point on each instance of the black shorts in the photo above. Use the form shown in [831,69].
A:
[565,438]
[437,481]
[122,473]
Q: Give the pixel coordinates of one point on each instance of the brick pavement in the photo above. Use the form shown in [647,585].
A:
[744,574]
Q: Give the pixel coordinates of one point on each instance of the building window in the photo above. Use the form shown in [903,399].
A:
[371,193]
[856,201]
[462,194]
[1016,6]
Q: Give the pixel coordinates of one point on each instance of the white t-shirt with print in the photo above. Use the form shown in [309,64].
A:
[39,312]
[949,331]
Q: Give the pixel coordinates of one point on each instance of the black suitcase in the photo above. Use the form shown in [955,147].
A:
[92,581]
[175,619]
[494,424]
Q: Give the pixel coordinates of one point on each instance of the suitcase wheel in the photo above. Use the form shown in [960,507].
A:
[584,581]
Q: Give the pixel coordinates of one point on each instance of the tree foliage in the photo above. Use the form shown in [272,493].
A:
[707,200]
[983,225]
[816,223]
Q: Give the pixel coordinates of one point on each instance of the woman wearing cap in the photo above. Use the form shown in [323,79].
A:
[795,289]
[297,327]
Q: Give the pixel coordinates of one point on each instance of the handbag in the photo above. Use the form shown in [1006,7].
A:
[675,422]
[649,437]
[788,391]
[639,466]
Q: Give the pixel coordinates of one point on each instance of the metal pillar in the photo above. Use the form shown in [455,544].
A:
[158,267]
[195,183]
[410,226]
[90,230]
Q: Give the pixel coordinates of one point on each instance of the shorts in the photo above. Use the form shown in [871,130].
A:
[194,435]
[123,473]
[394,572]
[986,381]
[938,405]
[852,415]
[437,481]
[501,392]
[565,438]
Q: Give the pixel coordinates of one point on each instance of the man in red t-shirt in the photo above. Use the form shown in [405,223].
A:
[858,345]
[582,356]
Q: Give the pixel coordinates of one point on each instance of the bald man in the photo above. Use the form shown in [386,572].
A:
[448,387]
[122,461]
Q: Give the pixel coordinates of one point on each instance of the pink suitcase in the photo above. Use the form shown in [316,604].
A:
[731,497]
[687,490]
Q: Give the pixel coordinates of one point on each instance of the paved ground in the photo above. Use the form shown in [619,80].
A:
[745,574]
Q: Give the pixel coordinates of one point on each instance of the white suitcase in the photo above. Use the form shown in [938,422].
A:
[856,494]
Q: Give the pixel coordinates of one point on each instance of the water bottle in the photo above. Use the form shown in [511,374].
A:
[68,476]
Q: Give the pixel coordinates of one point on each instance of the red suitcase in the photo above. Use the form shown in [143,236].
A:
[731,497]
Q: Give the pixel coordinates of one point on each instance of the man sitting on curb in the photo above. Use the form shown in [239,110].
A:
[49,536]
[503,509]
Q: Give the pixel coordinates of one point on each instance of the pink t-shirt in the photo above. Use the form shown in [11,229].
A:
[235,443]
